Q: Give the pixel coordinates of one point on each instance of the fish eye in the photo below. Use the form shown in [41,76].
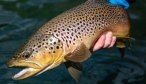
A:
[26,54]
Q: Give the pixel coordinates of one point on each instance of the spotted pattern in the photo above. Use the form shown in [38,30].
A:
[84,21]
[38,42]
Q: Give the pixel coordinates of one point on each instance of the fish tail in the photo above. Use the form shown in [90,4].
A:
[122,43]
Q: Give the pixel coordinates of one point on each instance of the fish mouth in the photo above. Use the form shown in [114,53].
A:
[25,73]
[29,69]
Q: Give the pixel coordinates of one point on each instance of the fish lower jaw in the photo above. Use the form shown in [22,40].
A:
[25,73]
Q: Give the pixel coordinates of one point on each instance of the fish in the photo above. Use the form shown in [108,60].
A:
[69,37]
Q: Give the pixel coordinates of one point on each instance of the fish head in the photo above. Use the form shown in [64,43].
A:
[40,53]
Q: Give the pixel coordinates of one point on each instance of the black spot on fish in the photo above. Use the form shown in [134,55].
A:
[57,35]
[79,33]
[69,41]
[70,37]
[76,36]
[57,47]
[78,27]
[39,46]
[68,28]
[51,48]
[54,43]
[53,51]
[55,30]
[83,23]
[59,41]
[50,29]
[87,29]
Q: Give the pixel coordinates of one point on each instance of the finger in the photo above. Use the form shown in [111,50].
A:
[113,41]
[108,39]
[100,43]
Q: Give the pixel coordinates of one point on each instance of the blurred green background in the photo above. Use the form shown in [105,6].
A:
[20,18]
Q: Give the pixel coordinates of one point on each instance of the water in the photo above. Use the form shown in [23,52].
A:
[20,18]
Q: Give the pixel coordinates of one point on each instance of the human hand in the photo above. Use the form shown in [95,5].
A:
[106,40]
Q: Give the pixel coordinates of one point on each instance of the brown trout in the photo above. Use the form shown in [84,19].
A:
[68,37]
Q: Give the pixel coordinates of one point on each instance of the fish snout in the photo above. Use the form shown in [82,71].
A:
[23,63]
[10,63]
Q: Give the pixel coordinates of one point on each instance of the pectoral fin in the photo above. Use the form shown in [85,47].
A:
[74,68]
[80,54]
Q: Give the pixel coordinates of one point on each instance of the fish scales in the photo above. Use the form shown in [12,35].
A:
[86,21]
[68,37]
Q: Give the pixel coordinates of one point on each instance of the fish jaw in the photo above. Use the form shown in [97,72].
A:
[31,69]
[23,63]
[25,73]
[28,72]
[31,66]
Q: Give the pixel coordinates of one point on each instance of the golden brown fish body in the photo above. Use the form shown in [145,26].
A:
[86,23]
[69,36]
